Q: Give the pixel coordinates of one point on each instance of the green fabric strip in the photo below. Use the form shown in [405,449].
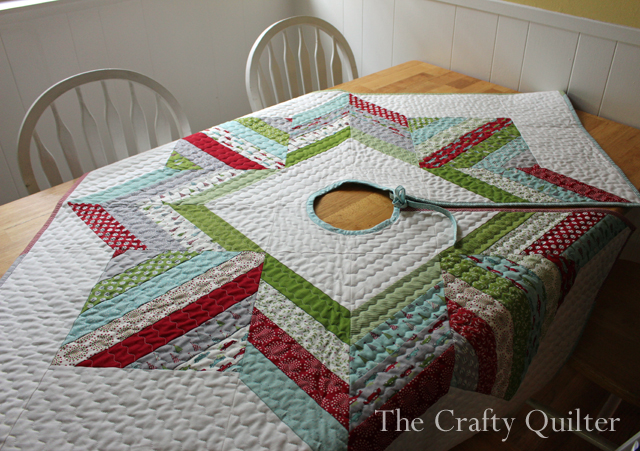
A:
[260,126]
[474,185]
[402,293]
[314,425]
[238,182]
[513,299]
[132,277]
[318,147]
[325,310]
[419,122]
[181,163]
[486,147]
[385,147]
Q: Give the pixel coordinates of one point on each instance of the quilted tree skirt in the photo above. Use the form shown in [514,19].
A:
[189,297]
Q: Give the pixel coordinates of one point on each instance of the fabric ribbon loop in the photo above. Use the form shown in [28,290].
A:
[400,201]
[400,197]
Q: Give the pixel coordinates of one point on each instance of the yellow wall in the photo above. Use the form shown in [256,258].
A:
[621,12]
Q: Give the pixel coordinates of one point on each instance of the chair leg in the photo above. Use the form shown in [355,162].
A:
[610,406]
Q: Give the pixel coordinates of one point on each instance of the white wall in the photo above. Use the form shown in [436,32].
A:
[523,48]
[196,48]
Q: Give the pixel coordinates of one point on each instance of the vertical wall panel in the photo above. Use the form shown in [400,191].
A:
[473,42]
[11,114]
[88,39]
[621,101]
[126,36]
[353,28]
[590,72]
[185,54]
[511,39]
[377,35]
[330,10]
[8,190]
[548,59]
[423,31]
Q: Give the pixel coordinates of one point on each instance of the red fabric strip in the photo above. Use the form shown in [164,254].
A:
[479,334]
[376,110]
[413,400]
[107,227]
[178,323]
[565,233]
[310,374]
[221,152]
[572,184]
[464,143]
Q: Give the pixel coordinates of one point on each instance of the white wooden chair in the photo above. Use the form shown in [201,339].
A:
[288,75]
[108,140]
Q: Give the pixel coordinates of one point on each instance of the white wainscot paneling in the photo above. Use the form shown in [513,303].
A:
[548,59]
[8,190]
[125,36]
[330,10]
[473,42]
[11,113]
[88,39]
[353,29]
[377,35]
[192,58]
[511,39]
[590,72]
[423,31]
[621,101]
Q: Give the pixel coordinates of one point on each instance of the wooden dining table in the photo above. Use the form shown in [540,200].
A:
[358,208]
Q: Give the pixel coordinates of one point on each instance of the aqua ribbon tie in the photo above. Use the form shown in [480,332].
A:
[399,197]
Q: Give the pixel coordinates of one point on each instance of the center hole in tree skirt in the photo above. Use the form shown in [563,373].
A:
[354,206]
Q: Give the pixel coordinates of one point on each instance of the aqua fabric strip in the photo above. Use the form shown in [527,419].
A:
[314,425]
[258,140]
[388,337]
[341,101]
[107,311]
[129,187]
[425,133]
[503,155]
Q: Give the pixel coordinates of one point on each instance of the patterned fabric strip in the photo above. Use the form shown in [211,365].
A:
[221,152]
[113,320]
[477,332]
[177,323]
[378,111]
[304,328]
[107,227]
[251,145]
[560,237]
[291,405]
[132,277]
[327,389]
[572,184]
[259,126]
[496,315]
[413,400]
[464,143]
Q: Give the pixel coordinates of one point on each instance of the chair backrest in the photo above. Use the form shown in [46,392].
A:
[107,139]
[277,74]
